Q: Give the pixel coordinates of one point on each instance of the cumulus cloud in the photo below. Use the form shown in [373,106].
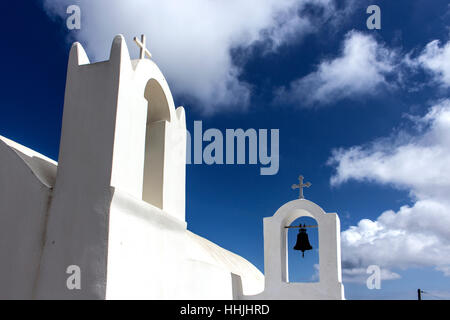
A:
[191,40]
[415,162]
[361,68]
[435,59]
[416,235]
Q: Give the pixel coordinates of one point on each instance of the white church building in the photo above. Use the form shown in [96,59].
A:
[112,210]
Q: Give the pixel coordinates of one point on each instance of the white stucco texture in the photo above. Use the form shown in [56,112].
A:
[114,204]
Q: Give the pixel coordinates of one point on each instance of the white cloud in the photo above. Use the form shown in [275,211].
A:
[316,275]
[415,162]
[436,60]
[444,269]
[191,40]
[416,235]
[360,69]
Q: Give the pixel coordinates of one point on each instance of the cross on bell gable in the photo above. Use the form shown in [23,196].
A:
[300,186]
[141,44]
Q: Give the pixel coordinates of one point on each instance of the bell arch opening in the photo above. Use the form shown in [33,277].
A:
[158,114]
[302,250]
[158,105]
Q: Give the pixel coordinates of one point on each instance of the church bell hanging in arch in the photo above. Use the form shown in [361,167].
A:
[302,243]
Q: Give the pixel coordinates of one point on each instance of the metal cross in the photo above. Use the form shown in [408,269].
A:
[300,186]
[141,44]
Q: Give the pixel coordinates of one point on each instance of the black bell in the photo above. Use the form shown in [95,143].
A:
[302,241]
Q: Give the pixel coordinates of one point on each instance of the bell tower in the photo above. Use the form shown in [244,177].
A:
[277,285]
[119,118]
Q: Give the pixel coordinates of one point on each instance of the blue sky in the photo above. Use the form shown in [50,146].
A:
[362,114]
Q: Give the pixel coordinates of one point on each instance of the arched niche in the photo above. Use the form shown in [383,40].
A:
[165,151]
[158,105]
[158,113]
